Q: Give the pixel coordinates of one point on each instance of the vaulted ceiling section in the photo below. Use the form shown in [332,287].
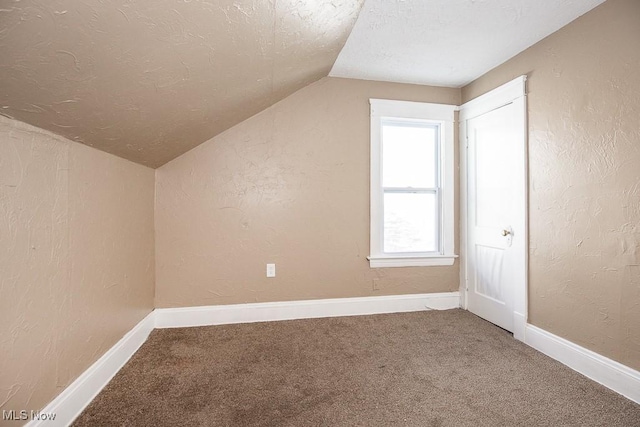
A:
[149,80]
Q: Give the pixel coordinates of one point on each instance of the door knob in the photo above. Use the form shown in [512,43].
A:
[506,232]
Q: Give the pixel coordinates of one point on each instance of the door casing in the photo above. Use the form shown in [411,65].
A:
[511,92]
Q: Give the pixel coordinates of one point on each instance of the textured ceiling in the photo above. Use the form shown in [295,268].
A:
[447,42]
[148,80]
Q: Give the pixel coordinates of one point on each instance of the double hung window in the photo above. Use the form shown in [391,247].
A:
[411,184]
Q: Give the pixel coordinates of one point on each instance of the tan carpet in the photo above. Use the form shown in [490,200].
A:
[446,368]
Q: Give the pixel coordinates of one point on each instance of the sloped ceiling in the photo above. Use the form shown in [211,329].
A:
[149,80]
[447,42]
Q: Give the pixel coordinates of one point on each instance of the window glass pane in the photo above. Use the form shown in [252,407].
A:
[408,155]
[410,222]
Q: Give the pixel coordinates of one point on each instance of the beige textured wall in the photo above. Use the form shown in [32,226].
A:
[76,259]
[584,148]
[290,186]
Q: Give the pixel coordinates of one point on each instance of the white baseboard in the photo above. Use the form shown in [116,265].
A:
[72,401]
[290,310]
[609,373]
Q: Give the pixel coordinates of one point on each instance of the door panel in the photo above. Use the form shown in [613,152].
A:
[493,184]
[491,258]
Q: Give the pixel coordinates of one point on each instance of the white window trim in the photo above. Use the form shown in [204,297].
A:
[443,115]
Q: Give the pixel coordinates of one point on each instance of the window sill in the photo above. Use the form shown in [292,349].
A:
[410,261]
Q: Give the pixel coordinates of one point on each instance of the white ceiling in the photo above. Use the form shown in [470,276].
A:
[447,42]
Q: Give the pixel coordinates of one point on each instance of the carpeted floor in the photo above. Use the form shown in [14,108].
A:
[437,368]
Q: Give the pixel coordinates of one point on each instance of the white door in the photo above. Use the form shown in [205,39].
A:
[496,213]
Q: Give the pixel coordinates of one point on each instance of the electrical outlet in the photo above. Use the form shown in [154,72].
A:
[375,285]
[271,270]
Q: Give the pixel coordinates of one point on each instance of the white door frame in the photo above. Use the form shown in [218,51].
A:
[512,92]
